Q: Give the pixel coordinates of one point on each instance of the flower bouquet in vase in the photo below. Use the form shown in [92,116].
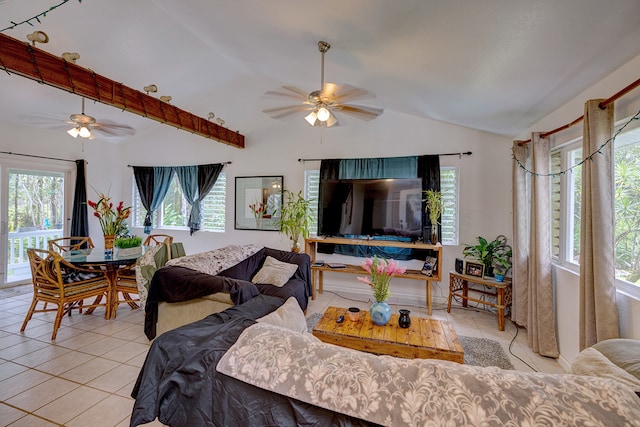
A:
[380,273]
[111,220]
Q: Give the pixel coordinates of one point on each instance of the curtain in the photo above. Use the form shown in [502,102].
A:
[329,169]
[188,179]
[79,218]
[196,182]
[520,267]
[161,181]
[598,312]
[429,170]
[153,183]
[381,167]
[144,181]
[532,262]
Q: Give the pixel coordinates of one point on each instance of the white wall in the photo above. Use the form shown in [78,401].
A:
[273,147]
[566,281]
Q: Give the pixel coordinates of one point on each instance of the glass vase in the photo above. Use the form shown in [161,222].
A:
[380,313]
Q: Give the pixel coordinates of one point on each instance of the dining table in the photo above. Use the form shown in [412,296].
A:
[110,262]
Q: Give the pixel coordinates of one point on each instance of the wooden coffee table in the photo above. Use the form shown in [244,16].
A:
[424,339]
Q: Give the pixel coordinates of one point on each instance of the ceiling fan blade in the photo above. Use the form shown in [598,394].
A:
[289,92]
[112,129]
[342,93]
[282,112]
[359,111]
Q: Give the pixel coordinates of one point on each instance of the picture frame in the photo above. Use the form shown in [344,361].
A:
[258,204]
[474,269]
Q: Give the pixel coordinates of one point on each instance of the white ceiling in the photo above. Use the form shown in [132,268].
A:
[493,65]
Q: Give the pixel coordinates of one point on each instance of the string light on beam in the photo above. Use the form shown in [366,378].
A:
[37,17]
[590,157]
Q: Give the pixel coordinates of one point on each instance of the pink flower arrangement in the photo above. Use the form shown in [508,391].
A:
[380,273]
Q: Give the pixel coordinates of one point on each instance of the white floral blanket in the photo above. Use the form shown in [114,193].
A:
[217,260]
[402,392]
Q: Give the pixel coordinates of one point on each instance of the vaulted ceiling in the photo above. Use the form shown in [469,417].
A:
[493,65]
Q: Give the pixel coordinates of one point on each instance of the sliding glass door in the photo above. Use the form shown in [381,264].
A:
[34,207]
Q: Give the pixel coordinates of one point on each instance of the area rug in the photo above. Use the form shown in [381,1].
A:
[477,351]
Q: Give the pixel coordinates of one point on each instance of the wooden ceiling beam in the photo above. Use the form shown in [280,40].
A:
[28,61]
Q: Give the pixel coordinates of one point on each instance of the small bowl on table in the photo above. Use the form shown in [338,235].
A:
[354,314]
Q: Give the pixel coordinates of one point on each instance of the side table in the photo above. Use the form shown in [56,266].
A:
[459,287]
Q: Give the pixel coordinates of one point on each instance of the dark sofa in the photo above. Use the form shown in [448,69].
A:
[183,288]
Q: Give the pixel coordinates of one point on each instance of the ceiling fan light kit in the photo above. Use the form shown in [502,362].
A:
[320,105]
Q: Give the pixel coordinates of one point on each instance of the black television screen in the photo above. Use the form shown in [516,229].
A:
[371,207]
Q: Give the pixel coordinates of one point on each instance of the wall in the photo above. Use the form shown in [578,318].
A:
[273,147]
[566,280]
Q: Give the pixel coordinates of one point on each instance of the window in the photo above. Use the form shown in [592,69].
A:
[448,187]
[449,190]
[175,209]
[566,204]
[627,206]
[311,190]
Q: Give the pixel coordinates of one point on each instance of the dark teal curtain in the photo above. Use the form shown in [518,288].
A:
[188,179]
[161,181]
[79,218]
[380,167]
[196,182]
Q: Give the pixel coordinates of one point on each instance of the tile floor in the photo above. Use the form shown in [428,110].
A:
[85,377]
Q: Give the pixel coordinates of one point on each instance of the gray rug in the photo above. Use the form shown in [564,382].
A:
[477,351]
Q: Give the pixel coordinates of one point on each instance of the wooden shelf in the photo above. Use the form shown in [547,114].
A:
[311,247]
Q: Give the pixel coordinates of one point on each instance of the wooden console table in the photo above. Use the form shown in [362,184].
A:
[459,287]
[311,248]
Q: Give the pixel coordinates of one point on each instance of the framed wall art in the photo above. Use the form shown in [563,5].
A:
[258,202]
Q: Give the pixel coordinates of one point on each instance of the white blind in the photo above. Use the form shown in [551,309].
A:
[311,190]
[449,190]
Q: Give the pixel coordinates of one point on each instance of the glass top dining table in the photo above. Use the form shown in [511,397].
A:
[111,261]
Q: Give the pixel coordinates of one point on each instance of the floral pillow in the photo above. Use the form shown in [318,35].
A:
[275,272]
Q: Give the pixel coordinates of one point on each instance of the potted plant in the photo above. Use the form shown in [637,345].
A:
[501,262]
[487,251]
[295,218]
[128,245]
[435,208]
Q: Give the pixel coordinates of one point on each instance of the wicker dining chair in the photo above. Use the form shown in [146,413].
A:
[66,244]
[61,283]
[157,239]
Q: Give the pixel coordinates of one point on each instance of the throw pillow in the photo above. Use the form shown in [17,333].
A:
[146,266]
[275,272]
[289,315]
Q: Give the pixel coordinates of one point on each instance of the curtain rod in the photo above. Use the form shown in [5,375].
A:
[37,157]
[602,105]
[223,163]
[466,153]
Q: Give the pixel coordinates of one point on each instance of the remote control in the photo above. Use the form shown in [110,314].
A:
[340,319]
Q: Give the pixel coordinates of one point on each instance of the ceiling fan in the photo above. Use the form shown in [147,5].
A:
[321,105]
[83,125]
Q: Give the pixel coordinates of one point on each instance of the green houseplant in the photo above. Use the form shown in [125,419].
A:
[295,218]
[491,254]
[128,245]
[435,208]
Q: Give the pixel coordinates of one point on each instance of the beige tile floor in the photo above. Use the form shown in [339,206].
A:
[85,377]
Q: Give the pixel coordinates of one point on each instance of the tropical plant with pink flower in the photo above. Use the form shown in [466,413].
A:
[110,219]
[380,273]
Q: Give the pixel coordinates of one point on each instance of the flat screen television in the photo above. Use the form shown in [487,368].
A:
[371,207]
